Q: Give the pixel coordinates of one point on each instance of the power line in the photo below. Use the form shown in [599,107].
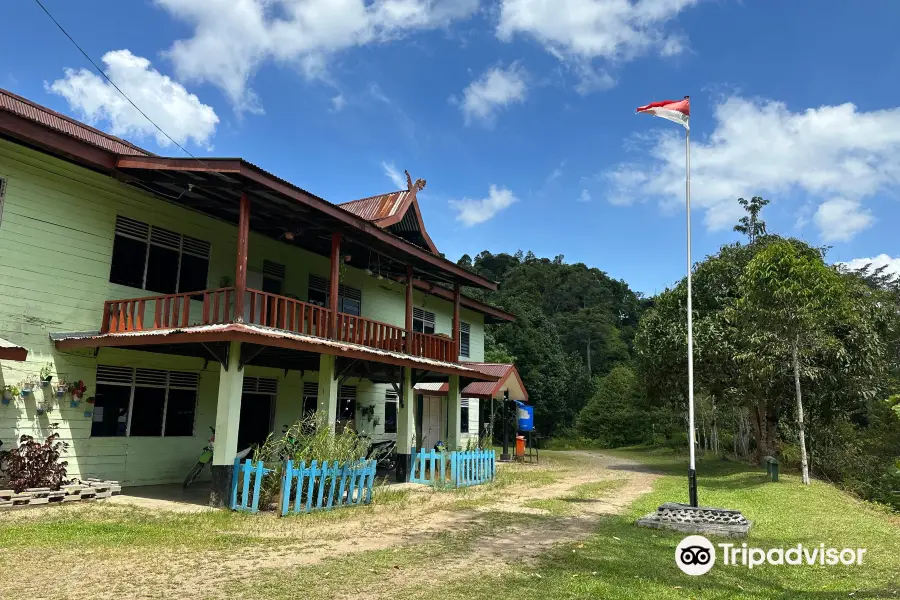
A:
[113,83]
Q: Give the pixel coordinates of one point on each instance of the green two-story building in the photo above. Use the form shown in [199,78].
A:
[195,293]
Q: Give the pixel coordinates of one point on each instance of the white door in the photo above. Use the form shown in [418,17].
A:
[432,422]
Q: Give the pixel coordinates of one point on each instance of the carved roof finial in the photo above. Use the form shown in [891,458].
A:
[410,186]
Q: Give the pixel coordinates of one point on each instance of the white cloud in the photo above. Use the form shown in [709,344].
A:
[396,177]
[496,89]
[579,31]
[833,155]
[891,265]
[178,112]
[338,103]
[233,38]
[839,219]
[472,212]
[585,196]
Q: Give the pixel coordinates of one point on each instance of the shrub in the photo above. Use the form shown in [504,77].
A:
[36,464]
[306,440]
[616,415]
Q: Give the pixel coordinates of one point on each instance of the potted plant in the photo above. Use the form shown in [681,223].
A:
[61,388]
[9,392]
[46,374]
[77,389]
[28,385]
[89,409]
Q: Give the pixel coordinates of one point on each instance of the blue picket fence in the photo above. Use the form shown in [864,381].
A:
[472,468]
[347,484]
[466,468]
[428,467]
[245,483]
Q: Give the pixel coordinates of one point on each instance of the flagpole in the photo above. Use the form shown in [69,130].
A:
[692,471]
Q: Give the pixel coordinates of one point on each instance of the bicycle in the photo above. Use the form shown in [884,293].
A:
[205,458]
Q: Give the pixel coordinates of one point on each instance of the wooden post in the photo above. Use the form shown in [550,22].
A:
[240,272]
[409,309]
[335,281]
[456,343]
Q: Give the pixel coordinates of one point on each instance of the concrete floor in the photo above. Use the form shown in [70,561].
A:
[167,497]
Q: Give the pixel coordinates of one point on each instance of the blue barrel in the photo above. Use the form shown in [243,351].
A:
[525,416]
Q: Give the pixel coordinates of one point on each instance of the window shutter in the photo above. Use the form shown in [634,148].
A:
[350,293]
[310,388]
[273,269]
[131,228]
[260,385]
[318,283]
[165,238]
[110,374]
[196,247]
[151,377]
[184,380]
[391,397]
[347,392]
[424,315]
[464,403]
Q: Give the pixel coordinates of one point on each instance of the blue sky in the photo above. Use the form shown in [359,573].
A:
[519,113]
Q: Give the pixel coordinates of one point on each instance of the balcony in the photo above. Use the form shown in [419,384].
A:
[215,307]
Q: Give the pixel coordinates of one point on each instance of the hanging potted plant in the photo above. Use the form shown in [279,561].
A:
[61,388]
[28,385]
[9,392]
[77,390]
[89,409]
[46,375]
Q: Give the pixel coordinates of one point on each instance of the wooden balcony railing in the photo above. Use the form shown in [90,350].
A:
[213,307]
[272,310]
[432,346]
[367,332]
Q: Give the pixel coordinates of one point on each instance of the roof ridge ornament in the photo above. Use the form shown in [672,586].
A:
[410,186]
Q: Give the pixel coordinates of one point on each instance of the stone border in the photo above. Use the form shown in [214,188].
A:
[92,489]
[699,520]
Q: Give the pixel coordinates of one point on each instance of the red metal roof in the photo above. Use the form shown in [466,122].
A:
[378,208]
[63,124]
[10,351]
[483,389]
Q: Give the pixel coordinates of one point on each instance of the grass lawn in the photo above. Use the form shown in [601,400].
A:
[624,561]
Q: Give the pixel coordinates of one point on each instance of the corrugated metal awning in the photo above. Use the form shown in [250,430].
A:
[10,351]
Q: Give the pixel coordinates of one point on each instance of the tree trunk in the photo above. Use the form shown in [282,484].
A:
[590,373]
[804,465]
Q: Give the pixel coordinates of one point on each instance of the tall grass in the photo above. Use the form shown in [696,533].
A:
[306,440]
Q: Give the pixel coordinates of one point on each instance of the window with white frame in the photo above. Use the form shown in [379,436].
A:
[156,259]
[273,277]
[310,398]
[144,402]
[349,299]
[390,412]
[260,385]
[423,321]
[464,415]
[346,403]
[464,331]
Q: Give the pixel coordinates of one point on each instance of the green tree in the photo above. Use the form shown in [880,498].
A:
[793,300]
[616,415]
[751,225]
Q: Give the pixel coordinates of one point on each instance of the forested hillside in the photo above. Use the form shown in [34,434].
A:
[574,323]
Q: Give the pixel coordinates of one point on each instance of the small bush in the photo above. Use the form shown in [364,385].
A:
[36,464]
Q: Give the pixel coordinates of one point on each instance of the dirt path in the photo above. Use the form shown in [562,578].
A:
[493,523]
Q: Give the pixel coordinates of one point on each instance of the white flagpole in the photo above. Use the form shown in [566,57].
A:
[692,472]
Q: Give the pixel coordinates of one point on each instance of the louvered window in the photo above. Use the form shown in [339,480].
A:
[260,385]
[464,331]
[349,299]
[423,321]
[144,402]
[158,260]
[347,403]
[390,412]
[273,277]
[2,196]
[464,415]
[310,398]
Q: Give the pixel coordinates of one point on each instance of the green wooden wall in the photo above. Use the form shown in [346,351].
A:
[56,239]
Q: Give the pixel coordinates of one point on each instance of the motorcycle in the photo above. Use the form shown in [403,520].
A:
[205,458]
[384,454]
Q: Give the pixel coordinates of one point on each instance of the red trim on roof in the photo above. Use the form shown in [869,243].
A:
[9,351]
[484,389]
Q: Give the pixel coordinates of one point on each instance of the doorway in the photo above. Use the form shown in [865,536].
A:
[432,421]
[257,411]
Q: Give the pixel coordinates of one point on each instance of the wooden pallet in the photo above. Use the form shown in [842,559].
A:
[91,489]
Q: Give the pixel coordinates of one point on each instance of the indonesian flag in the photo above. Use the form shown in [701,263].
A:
[673,110]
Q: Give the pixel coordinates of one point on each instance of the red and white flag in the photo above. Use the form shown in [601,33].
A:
[673,110]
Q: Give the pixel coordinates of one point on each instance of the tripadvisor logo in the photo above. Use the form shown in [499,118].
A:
[696,555]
